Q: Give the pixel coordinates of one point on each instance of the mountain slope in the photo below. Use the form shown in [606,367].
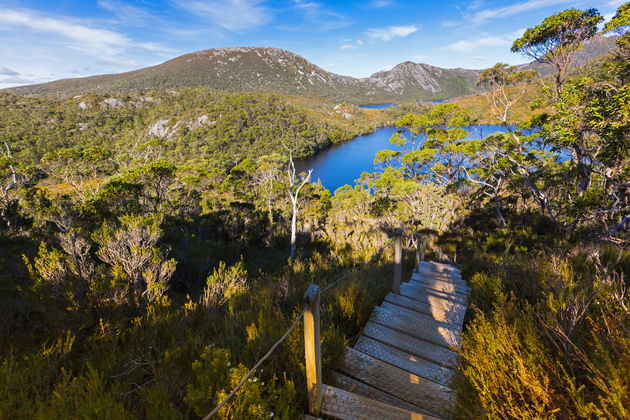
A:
[254,69]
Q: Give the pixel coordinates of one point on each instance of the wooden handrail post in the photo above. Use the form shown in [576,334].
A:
[397,262]
[424,248]
[419,257]
[312,352]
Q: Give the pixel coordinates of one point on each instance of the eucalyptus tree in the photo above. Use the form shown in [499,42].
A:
[504,86]
[557,39]
[293,184]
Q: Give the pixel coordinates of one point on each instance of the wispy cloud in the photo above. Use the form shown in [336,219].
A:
[468,45]
[5,71]
[391,32]
[480,58]
[379,4]
[119,63]
[351,46]
[514,9]
[84,38]
[128,14]
[233,15]
[449,23]
[319,17]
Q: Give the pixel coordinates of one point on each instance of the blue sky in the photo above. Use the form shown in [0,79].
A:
[48,40]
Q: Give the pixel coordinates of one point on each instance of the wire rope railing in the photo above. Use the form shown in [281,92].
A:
[311,316]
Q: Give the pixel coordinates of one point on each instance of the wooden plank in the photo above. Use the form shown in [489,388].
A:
[441,266]
[346,405]
[453,277]
[357,387]
[422,292]
[405,361]
[442,286]
[443,313]
[428,331]
[418,317]
[415,346]
[435,398]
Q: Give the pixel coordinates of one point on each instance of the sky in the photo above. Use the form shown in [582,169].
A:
[44,40]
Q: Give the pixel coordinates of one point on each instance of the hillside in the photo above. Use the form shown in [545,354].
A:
[269,70]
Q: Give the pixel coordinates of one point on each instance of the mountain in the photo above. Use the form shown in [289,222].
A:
[591,49]
[258,69]
[413,80]
[254,69]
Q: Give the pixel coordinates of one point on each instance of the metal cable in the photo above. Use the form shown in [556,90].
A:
[271,350]
[256,366]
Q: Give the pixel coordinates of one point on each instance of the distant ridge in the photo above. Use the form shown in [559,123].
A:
[258,69]
[262,69]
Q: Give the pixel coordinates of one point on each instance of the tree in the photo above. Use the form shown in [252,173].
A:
[132,251]
[267,173]
[504,86]
[294,184]
[556,40]
[9,179]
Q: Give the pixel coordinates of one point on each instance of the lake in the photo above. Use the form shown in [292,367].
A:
[345,162]
[377,106]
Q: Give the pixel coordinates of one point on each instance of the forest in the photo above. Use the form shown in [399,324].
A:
[145,240]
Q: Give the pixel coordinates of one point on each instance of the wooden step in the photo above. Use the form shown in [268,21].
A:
[344,405]
[442,286]
[424,290]
[453,277]
[443,313]
[357,387]
[432,397]
[405,361]
[428,330]
[414,346]
[447,268]
[417,316]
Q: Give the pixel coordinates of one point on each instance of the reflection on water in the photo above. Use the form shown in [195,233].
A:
[344,163]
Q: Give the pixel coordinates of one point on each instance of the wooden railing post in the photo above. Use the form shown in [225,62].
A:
[397,262]
[424,248]
[312,352]
[418,255]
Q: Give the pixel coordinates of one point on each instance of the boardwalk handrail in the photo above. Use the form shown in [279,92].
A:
[310,313]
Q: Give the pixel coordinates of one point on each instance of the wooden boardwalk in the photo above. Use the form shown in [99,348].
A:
[402,365]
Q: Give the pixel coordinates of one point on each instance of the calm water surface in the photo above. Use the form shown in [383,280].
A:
[377,106]
[344,163]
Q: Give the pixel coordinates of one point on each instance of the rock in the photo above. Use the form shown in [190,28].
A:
[84,106]
[159,128]
[111,103]
[202,120]
[82,126]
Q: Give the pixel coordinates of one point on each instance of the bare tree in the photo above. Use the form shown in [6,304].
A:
[294,184]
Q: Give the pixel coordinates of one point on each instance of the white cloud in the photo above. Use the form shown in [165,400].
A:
[233,15]
[5,71]
[127,14]
[449,23]
[84,38]
[387,34]
[472,44]
[119,63]
[615,3]
[379,4]
[351,46]
[514,9]
[468,45]
[480,58]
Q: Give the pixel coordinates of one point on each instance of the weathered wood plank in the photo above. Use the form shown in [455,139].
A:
[421,292]
[427,330]
[442,286]
[435,398]
[357,387]
[405,361]
[346,405]
[443,313]
[417,316]
[415,346]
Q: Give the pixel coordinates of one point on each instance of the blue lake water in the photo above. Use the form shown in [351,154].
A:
[344,163]
[377,106]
